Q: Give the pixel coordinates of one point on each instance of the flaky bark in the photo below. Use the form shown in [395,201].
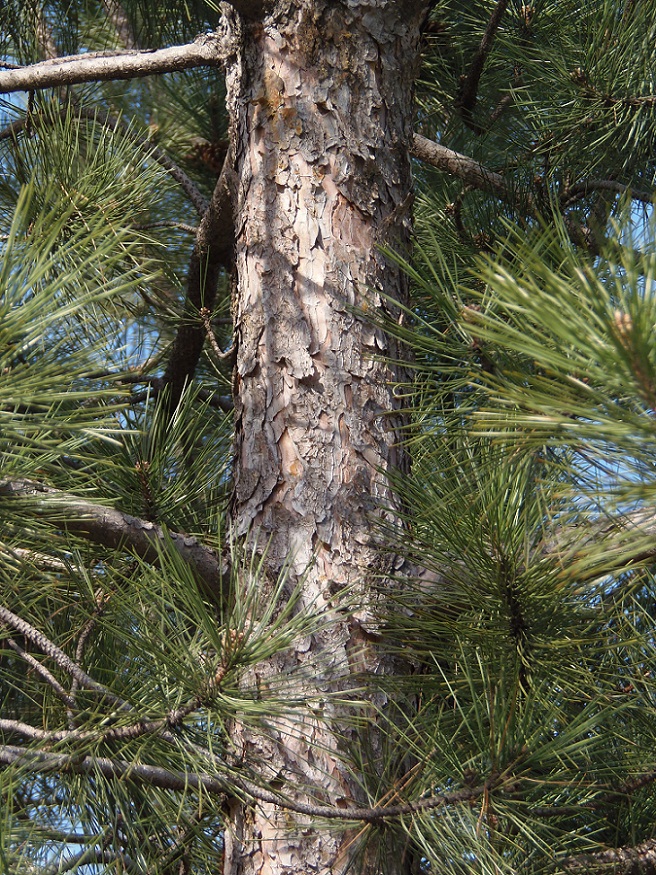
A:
[321,98]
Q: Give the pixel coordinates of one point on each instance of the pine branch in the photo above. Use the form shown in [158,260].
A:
[92,857]
[117,16]
[156,154]
[637,860]
[212,253]
[8,618]
[465,168]
[624,539]
[111,528]
[469,92]
[207,50]
[48,762]
[43,672]
[581,189]
[148,149]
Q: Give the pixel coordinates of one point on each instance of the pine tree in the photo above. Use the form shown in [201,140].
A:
[327,543]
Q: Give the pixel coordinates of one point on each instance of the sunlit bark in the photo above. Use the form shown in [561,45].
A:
[321,98]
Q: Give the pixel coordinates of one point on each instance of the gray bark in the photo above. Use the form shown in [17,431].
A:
[206,51]
[321,101]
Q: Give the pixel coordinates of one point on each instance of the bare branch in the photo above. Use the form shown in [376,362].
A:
[212,252]
[155,776]
[637,860]
[207,50]
[8,618]
[112,528]
[469,92]
[465,168]
[43,672]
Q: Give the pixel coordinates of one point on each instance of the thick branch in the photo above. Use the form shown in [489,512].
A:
[112,528]
[207,50]
[465,168]
[212,253]
[638,860]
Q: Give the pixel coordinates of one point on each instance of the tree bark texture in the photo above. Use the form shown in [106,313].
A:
[321,100]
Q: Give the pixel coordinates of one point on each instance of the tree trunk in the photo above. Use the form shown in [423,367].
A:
[321,102]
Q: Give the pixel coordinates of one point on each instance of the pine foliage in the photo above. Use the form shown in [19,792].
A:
[521,726]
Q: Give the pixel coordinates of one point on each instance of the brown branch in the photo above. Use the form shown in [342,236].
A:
[45,762]
[8,618]
[469,91]
[465,168]
[637,860]
[112,528]
[207,50]
[581,189]
[212,253]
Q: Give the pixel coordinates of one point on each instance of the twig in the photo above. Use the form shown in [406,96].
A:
[182,226]
[87,629]
[205,316]
[41,670]
[8,618]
